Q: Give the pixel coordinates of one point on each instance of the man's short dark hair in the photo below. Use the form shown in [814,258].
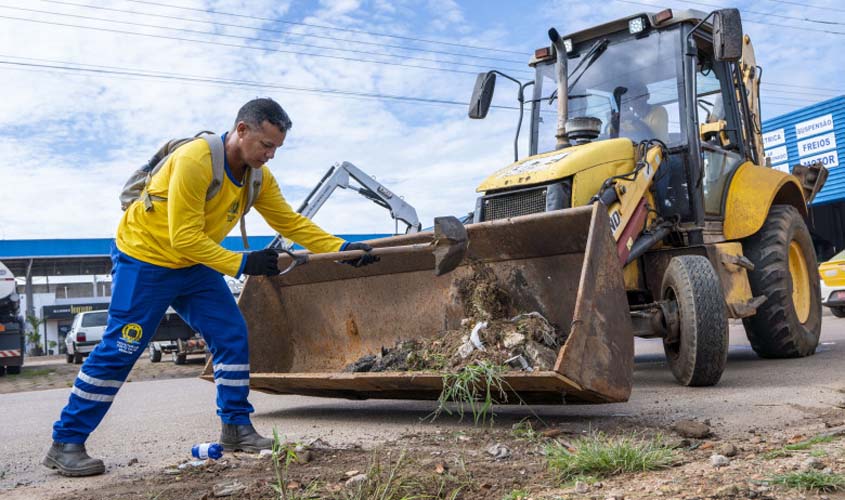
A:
[256,111]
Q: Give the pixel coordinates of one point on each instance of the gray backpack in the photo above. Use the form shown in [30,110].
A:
[136,186]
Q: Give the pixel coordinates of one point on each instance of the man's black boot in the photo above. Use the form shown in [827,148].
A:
[243,438]
[71,460]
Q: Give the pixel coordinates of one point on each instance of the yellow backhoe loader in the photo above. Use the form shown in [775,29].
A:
[644,208]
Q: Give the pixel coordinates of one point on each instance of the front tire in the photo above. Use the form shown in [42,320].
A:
[155,355]
[698,355]
[788,324]
[839,312]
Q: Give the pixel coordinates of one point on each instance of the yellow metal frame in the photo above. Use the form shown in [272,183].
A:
[800,281]
[752,192]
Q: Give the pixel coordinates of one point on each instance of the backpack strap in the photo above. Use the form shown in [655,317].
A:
[256,178]
[218,163]
[160,158]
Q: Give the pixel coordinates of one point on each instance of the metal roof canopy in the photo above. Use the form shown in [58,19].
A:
[72,257]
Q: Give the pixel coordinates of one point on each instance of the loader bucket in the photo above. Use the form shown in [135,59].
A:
[305,327]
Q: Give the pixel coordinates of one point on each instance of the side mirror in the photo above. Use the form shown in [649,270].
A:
[727,35]
[482,95]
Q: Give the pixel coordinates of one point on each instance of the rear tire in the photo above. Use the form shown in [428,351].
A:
[180,359]
[788,324]
[155,355]
[2,371]
[698,357]
[839,312]
[13,370]
[77,358]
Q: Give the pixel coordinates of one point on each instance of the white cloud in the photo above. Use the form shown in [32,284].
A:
[70,139]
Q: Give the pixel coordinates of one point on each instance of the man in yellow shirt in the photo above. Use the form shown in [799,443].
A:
[170,255]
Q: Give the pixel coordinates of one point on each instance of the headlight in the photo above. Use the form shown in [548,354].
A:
[636,25]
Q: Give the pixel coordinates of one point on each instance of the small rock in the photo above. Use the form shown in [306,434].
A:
[728,491]
[551,433]
[811,464]
[351,473]
[303,457]
[691,429]
[542,358]
[318,444]
[132,461]
[756,440]
[719,460]
[706,445]
[581,487]
[840,404]
[615,495]
[676,443]
[265,453]
[294,485]
[499,451]
[439,468]
[726,449]
[359,478]
[513,339]
[228,488]
[171,472]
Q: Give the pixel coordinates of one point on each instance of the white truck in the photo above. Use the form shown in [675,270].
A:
[11,325]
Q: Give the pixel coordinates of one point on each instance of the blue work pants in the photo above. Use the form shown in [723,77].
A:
[141,294]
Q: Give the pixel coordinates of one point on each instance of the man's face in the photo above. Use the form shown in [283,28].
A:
[259,144]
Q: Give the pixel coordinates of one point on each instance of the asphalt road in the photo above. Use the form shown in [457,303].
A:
[158,422]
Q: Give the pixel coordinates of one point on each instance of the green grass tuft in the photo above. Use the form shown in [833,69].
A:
[478,386]
[516,495]
[602,456]
[811,480]
[806,445]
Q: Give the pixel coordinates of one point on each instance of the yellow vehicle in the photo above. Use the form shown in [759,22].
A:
[832,273]
[643,208]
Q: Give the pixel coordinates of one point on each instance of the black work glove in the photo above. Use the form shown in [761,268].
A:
[363,260]
[262,263]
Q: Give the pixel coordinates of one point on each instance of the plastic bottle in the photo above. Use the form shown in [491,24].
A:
[207,450]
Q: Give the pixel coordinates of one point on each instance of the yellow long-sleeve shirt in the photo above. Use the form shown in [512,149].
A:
[186,230]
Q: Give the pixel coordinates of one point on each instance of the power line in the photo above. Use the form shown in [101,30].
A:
[225,35]
[802,4]
[284,32]
[349,30]
[103,70]
[223,44]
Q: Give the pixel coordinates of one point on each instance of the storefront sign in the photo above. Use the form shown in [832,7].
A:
[817,144]
[814,126]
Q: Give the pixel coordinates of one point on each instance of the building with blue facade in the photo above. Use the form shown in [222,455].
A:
[809,135]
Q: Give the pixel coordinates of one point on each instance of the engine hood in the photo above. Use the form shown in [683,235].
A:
[546,167]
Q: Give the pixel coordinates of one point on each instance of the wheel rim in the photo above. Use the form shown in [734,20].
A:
[800,281]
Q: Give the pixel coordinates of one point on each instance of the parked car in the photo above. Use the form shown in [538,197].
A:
[85,333]
[832,273]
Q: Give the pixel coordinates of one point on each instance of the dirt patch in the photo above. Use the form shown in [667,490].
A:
[485,463]
[491,331]
[54,372]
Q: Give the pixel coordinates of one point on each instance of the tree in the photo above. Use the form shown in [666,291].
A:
[34,336]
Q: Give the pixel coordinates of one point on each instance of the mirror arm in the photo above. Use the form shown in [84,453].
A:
[521,98]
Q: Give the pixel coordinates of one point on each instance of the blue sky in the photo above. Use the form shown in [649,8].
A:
[70,138]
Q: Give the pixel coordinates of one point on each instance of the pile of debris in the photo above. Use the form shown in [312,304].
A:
[490,331]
